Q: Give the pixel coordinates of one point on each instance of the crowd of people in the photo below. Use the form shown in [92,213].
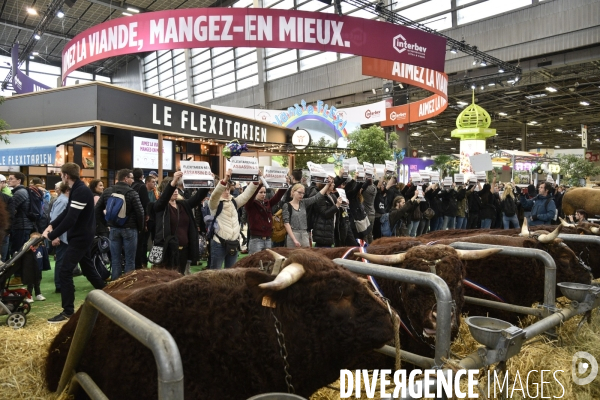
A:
[179,227]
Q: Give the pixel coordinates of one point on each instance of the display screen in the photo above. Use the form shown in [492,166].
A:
[145,153]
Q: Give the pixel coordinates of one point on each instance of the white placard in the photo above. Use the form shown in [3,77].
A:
[420,194]
[379,170]
[434,176]
[317,173]
[145,153]
[275,177]
[481,162]
[330,169]
[342,194]
[244,169]
[196,174]
[390,167]
[425,176]
[473,179]
[447,181]
[348,164]
[481,176]
[369,172]
[360,173]
[459,178]
[416,178]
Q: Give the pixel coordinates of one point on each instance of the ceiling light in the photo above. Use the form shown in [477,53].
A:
[60,14]
[519,139]
[127,14]
[31,11]
[540,143]
[133,10]
[430,121]
[462,103]
[558,130]
[31,57]
[453,50]
[452,148]
[503,114]
[415,134]
[517,78]
[551,89]
[500,70]
[429,145]
[37,36]
[483,63]
[35,53]
[475,61]
[473,86]
[482,87]
[424,158]
[420,151]
[374,91]
[447,139]
[492,83]
[512,81]
[584,103]
[557,147]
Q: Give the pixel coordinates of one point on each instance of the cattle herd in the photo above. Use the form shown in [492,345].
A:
[228,323]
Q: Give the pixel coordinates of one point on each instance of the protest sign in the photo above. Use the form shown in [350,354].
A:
[196,174]
[360,173]
[434,177]
[342,194]
[275,177]
[390,168]
[481,162]
[447,182]
[425,176]
[349,165]
[330,169]
[317,173]
[416,178]
[368,170]
[379,170]
[244,169]
[420,194]
[459,178]
[481,176]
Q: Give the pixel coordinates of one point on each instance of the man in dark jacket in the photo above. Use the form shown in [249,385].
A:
[123,238]
[449,201]
[22,226]
[474,204]
[325,219]
[10,208]
[543,209]
[141,258]
[79,223]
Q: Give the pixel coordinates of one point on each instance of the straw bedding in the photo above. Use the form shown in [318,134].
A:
[22,353]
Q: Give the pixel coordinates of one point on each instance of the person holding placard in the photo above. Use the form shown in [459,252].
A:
[488,210]
[225,223]
[295,214]
[461,213]
[260,219]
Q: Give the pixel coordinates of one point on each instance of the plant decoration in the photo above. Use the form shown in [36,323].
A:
[399,154]
[337,160]
[234,148]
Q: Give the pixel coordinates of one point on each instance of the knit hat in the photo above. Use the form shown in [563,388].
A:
[153,173]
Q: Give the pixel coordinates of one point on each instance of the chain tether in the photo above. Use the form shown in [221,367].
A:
[284,354]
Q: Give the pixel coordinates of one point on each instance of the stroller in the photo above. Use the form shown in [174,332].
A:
[13,301]
[101,256]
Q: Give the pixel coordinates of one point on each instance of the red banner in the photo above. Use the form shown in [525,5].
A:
[425,78]
[253,27]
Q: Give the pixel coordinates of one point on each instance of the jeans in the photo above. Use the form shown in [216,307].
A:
[506,221]
[256,244]
[436,223]
[76,254]
[218,255]
[122,239]
[461,222]
[60,257]
[486,223]
[414,225]
[423,226]
[449,222]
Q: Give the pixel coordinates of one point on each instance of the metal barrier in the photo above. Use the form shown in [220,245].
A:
[151,335]
[549,275]
[437,284]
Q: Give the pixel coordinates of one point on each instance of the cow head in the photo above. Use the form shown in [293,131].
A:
[588,228]
[541,236]
[324,304]
[418,302]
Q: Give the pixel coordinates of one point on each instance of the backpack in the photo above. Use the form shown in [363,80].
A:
[210,220]
[36,203]
[386,229]
[116,208]
[509,207]
[279,231]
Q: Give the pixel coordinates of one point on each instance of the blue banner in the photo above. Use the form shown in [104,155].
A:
[28,156]
[21,82]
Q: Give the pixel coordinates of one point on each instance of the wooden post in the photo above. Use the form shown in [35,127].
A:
[98,154]
[160,157]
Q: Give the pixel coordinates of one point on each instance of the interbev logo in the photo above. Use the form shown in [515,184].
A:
[401,45]
[397,116]
[372,113]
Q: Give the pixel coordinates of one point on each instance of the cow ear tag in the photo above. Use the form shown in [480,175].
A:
[267,301]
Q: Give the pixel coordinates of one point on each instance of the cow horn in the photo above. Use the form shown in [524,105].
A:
[595,230]
[524,228]
[476,254]
[565,223]
[549,237]
[386,259]
[279,259]
[275,255]
[287,277]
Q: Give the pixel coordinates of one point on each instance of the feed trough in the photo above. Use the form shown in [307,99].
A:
[486,330]
[574,291]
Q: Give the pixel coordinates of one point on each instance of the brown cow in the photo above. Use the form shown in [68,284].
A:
[226,337]
[581,198]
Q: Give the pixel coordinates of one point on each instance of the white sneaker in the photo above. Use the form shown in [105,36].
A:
[39,297]
[28,300]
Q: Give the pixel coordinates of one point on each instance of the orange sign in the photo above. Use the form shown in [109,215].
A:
[425,78]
